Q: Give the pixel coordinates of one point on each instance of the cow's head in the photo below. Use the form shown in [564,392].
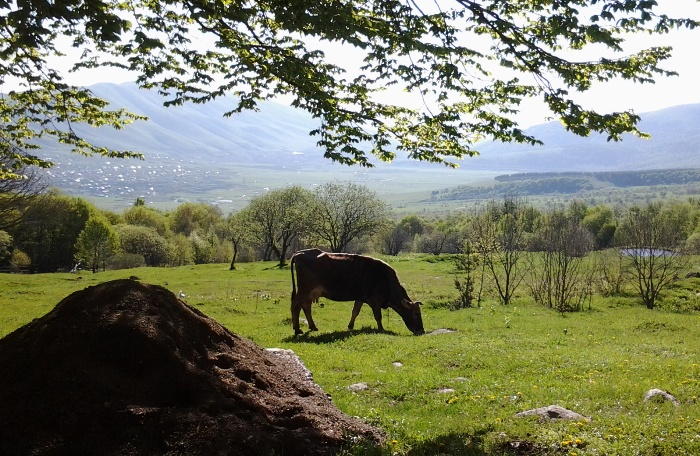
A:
[411,316]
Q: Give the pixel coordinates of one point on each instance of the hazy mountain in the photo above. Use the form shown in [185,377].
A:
[194,153]
[675,143]
[278,133]
[201,132]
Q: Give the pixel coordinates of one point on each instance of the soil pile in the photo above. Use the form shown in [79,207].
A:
[125,368]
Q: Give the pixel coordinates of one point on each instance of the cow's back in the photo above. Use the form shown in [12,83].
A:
[341,276]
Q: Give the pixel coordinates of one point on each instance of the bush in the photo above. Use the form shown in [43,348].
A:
[19,260]
[126,261]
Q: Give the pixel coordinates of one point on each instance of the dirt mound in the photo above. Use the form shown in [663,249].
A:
[126,368]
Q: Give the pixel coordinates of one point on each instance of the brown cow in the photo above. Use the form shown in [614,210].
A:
[349,277]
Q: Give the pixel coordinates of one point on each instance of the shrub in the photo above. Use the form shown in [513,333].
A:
[125,260]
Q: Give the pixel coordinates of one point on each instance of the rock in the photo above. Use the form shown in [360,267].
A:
[397,364]
[554,412]
[358,386]
[446,390]
[655,392]
[440,331]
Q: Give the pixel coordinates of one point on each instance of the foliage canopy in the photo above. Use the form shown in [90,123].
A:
[471,61]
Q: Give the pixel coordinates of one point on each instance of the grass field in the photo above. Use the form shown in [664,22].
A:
[453,393]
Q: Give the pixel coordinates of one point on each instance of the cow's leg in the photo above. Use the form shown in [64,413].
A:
[377,311]
[355,312]
[307,311]
[296,308]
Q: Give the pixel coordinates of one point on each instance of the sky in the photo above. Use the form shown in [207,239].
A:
[607,97]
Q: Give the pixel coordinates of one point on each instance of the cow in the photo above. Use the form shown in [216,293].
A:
[349,277]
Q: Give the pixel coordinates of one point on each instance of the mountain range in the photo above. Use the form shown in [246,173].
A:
[279,133]
[222,151]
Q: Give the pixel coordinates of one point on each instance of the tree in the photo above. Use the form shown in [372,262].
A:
[146,216]
[346,212]
[652,240]
[5,248]
[559,278]
[440,236]
[394,237]
[471,62]
[180,251]
[237,231]
[466,263]
[189,217]
[97,242]
[202,249]
[144,241]
[16,195]
[600,222]
[499,237]
[279,218]
[50,230]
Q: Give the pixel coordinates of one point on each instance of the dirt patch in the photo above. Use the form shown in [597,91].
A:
[125,368]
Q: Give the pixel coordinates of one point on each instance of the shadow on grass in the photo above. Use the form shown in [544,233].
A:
[477,444]
[335,336]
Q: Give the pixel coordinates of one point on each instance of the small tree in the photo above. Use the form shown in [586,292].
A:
[653,242]
[144,241]
[611,270]
[466,263]
[499,236]
[394,238]
[237,231]
[558,276]
[440,237]
[97,242]
[344,213]
[279,219]
[19,260]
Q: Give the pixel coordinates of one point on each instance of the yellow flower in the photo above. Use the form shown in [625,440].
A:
[566,442]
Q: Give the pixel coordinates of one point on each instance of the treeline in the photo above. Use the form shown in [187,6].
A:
[524,184]
[617,178]
[52,232]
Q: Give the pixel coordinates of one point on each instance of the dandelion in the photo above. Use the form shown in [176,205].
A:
[566,442]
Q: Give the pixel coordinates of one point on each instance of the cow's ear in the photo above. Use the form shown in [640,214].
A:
[418,302]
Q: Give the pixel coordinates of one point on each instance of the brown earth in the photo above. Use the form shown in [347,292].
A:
[125,368]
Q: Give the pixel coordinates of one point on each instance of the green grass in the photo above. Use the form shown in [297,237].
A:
[455,393]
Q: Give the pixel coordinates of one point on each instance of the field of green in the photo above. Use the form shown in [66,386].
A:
[454,393]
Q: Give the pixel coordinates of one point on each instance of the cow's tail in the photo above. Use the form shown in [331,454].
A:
[291,268]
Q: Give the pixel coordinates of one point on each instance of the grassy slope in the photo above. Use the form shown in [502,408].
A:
[501,360]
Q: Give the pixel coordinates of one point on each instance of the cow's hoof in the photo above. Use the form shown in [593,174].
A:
[298,332]
[313,328]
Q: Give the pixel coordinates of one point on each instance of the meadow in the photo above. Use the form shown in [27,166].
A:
[453,392]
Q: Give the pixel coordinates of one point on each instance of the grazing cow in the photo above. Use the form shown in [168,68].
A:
[349,277]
